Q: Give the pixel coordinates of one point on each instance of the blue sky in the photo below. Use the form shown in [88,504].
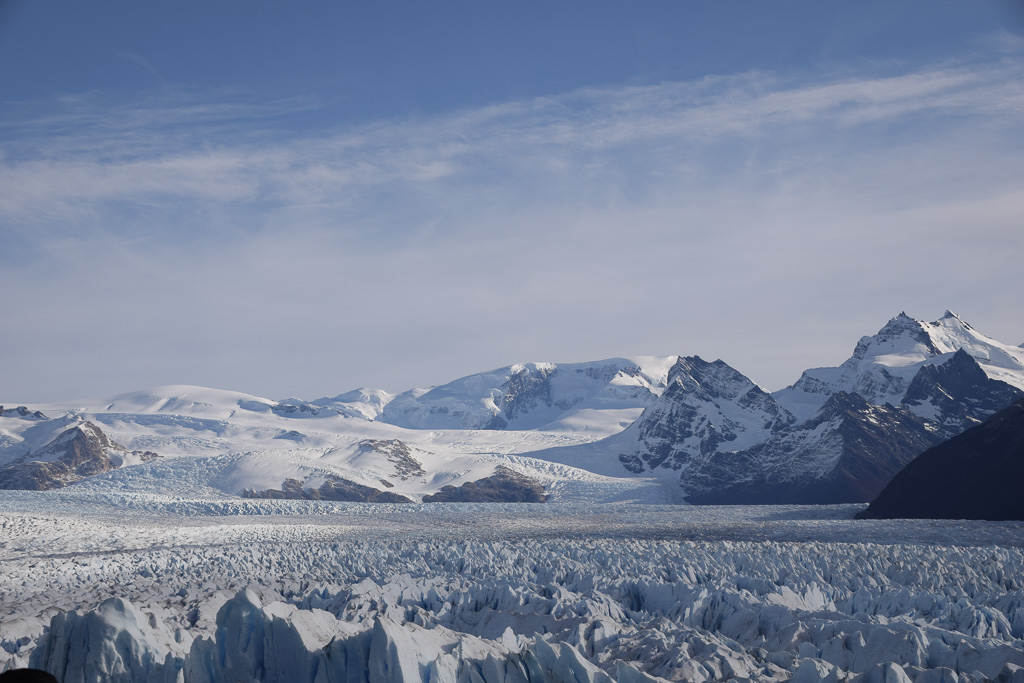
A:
[301,200]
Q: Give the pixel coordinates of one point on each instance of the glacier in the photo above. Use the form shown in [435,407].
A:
[154,588]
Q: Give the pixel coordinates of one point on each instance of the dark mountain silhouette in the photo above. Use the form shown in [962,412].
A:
[976,475]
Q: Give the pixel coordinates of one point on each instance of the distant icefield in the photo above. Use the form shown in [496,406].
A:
[145,587]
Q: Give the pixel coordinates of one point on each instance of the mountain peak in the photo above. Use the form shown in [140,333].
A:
[899,323]
[882,366]
[952,320]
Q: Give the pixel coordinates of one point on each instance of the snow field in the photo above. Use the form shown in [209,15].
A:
[505,593]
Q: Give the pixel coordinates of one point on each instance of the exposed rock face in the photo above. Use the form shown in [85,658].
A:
[976,475]
[504,486]
[335,488]
[80,451]
[291,435]
[847,453]
[398,453]
[299,410]
[707,408]
[528,386]
[363,403]
[957,394]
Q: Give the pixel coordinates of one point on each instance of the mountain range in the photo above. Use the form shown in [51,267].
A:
[648,429]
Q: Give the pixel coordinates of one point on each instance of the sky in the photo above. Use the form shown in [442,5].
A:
[298,199]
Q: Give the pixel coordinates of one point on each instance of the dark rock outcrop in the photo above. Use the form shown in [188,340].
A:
[334,489]
[291,435]
[22,411]
[504,486]
[398,454]
[976,475]
[300,410]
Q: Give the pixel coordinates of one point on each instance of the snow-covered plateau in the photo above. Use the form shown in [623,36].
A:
[147,587]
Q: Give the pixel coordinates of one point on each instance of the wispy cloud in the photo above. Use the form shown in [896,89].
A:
[188,153]
[144,63]
[216,238]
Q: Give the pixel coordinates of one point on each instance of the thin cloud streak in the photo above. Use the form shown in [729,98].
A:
[510,141]
[144,63]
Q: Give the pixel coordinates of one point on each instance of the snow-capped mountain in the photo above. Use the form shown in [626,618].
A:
[733,443]
[645,428]
[882,366]
[602,396]
[706,408]
[851,449]
[363,402]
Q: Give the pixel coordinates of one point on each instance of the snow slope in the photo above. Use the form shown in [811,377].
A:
[20,435]
[362,402]
[601,397]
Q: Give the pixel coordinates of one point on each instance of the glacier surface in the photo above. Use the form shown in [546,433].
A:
[158,588]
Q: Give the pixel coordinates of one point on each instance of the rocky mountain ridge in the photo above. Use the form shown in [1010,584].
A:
[903,390]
